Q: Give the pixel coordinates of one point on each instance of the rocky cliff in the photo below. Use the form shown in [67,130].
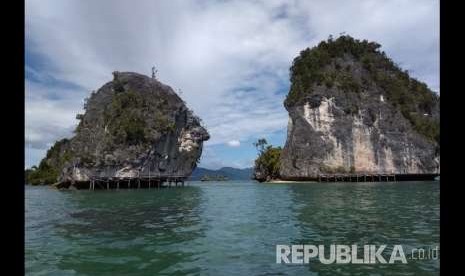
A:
[133,125]
[353,110]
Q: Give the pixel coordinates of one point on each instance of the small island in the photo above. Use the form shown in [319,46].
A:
[218,177]
[354,115]
[135,132]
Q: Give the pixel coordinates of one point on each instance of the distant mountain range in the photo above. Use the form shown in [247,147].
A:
[230,173]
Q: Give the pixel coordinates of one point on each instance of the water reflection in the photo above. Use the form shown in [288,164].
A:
[369,213]
[127,231]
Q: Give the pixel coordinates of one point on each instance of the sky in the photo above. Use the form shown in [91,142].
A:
[229,59]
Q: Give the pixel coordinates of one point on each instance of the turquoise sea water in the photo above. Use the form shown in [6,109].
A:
[226,228]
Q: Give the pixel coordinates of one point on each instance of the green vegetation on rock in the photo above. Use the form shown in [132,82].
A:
[48,170]
[353,66]
[126,120]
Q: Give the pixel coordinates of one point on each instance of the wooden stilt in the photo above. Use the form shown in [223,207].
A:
[117,185]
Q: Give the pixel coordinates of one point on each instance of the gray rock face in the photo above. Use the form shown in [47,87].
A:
[324,139]
[332,130]
[133,126]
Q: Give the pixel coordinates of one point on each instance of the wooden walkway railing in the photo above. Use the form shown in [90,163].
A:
[357,178]
[135,182]
[375,177]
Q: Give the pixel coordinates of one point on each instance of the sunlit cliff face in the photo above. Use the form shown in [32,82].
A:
[324,139]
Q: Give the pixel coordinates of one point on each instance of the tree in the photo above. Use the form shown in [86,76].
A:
[268,161]
[260,145]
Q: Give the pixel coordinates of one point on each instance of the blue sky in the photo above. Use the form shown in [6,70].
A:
[230,59]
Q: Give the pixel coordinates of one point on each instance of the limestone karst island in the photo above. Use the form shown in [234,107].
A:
[354,115]
[134,128]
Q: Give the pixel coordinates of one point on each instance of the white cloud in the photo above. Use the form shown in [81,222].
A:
[50,113]
[230,58]
[234,143]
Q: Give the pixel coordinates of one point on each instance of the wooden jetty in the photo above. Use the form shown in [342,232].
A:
[367,177]
[137,182]
[357,178]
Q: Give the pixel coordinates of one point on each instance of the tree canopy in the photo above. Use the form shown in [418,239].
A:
[268,160]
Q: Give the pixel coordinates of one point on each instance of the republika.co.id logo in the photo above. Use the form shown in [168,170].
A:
[345,254]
